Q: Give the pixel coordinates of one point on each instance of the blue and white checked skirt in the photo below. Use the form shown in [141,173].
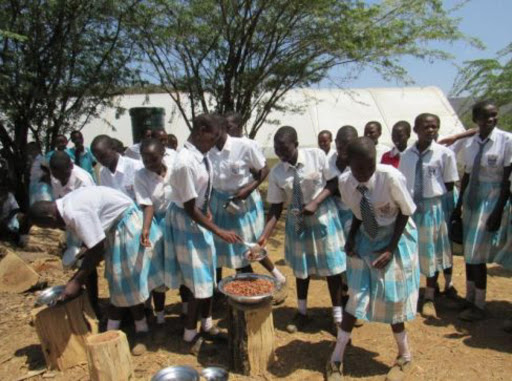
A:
[387,295]
[248,223]
[193,247]
[132,270]
[345,215]
[40,191]
[319,250]
[504,256]
[434,249]
[480,246]
[449,203]
[172,274]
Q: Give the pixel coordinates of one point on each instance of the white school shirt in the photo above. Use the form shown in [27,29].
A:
[497,155]
[79,178]
[189,178]
[232,165]
[133,152]
[334,172]
[90,212]
[152,189]
[124,176]
[439,167]
[8,206]
[313,171]
[387,191]
[254,143]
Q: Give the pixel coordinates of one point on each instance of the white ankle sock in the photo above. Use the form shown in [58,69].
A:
[337,314]
[113,325]
[141,325]
[160,317]
[480,298]
[302,306]
[429,293]
[448,281]
[184,308]
[206,323]
[403,345]
[341,344]
[189,334]
[278,275]
[470,291]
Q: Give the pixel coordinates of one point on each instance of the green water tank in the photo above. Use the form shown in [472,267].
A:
[143,117]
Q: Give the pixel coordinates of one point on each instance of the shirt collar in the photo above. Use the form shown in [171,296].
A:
[394,151]
[198,155]
[415,149]
[301,161]
[491,137]
[121,164]
[228,144]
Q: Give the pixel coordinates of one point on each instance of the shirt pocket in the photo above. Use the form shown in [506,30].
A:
[236,168]
[492,160]
[384,209]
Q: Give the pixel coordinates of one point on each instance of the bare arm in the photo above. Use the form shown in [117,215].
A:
[330,189]
[449,140]
[273,216]
[149,212]
[259,176]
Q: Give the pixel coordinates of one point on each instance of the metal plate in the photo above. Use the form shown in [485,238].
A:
[215,373]
[49,296]
[262,253]
[249,299]
[176,373]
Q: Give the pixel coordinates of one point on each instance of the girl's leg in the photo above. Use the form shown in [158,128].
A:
[114,315]
[245,270]
[185,295]
[91,285]
[448,278]
[191,320]
[335,284]
[470,283]
[141,329]
[431,287]
[480,276]
[300,319]
[343,338]
[218,274]
[401,341]
[269,266]
[159,302]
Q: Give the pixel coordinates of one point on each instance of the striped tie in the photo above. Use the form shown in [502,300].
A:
[475,172]
[208,193]
[367,213]
[418,181]
[297,202]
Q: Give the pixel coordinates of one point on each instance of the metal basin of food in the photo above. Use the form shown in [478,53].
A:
[49,296]
[215,373]
[176,373]
[248,299]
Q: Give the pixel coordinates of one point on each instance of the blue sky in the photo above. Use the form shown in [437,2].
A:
[488,20]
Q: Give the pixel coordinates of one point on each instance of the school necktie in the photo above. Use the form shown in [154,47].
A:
[418,180]
[297,202]
[209,187]
[367,213]
[475,172]
[77,157]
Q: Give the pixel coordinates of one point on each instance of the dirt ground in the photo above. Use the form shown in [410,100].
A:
[443,348]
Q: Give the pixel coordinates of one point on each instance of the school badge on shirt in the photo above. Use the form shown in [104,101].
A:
[492,160]
[385,210]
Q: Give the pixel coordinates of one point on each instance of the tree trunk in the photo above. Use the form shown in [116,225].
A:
[63,330]
[251,338]
[109,357]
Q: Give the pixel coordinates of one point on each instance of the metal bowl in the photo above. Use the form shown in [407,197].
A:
[49,296]
[176,373]
[215,373]
[248,299]
[257,255]
[70,257]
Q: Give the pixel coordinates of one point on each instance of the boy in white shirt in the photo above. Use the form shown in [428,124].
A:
[382,261]
[133,152]
[373,130]
[400,134]
[325,143]
[238,168]
[484,193]
[117,171]
[313,234]
[153,193]
[189,226]
[109,224]
[430,170]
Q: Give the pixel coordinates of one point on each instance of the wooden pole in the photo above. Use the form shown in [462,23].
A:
[251,337]
[109,357]
[62,331]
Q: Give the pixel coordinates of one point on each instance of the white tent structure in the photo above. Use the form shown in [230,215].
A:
[323,109]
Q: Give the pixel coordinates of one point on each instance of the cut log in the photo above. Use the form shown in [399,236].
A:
[109,358]
[63,330]
[251,337]
[16,275]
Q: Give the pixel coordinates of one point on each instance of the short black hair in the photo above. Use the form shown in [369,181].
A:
[152,143]
[362,147]
[210,121]
[235,117]
[478,107]
[59,161]
[346,132]
[403,124]
[426,115]
[75,132]
[286,133]
[172,136]
[102,140]
[40,212]
[379,126]
[326,132]
[118,146]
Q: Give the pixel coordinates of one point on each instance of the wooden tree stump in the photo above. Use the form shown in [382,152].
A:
[109,357]
[251,337]
[62,331]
